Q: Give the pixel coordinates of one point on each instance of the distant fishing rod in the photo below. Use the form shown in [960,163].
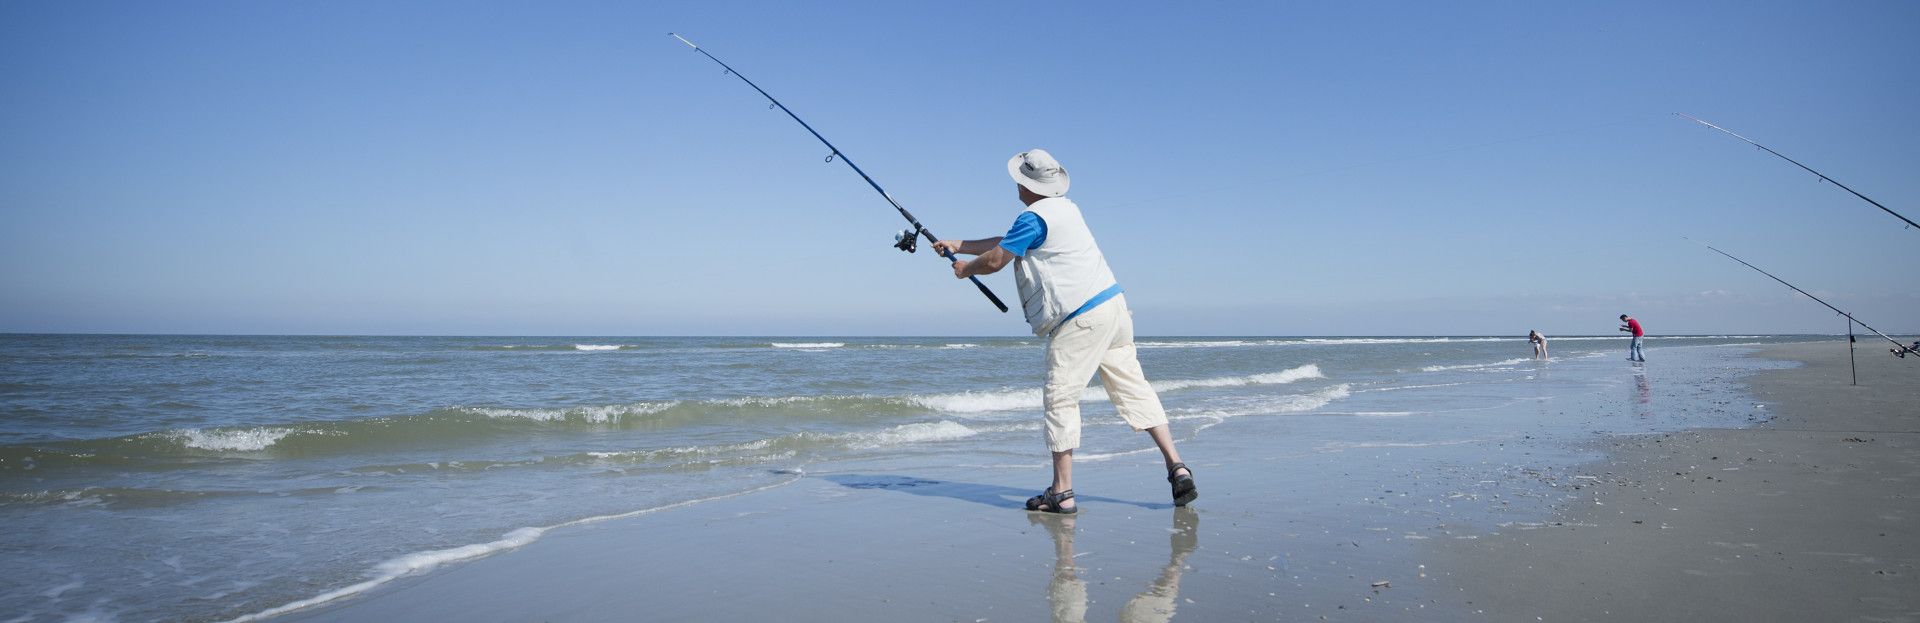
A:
[1796,163]
[906,240]
[1900,348]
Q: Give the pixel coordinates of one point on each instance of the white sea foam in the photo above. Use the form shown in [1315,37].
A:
[598,414]
[417,562]
[952,346]
[596,347]
[980,401]
[760,444]
[1301,373]
[1031,398]
[1270,405]
[1209,344]
[918,432]
[1309,401]
[808,344]
[246,440]
[1477,366]
[1401,387]
[420,562]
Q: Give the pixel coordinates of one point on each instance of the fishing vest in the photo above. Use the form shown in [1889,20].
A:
[1065,271]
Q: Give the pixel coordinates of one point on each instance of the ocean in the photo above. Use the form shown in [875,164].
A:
[209,478]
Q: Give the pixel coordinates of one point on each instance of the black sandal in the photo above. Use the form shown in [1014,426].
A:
[1183,489]
[1052,501]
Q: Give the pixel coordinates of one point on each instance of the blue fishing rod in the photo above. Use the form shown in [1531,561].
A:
[1823,177]
[906,240]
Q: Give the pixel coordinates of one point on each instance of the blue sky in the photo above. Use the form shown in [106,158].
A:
[1257,168]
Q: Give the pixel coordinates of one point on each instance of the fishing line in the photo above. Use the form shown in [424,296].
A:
[905,240]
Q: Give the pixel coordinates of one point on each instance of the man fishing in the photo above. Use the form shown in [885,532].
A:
[1633,326]
[1071,298]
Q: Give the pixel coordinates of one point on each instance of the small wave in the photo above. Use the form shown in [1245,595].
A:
[1477,366]
[242,440]
[1401,387]
[1276,405]
[596,347]
[1310,401]
[910,433]
[958,346]
[807,344]
[603,414]
[1301,373]
[1032,398]
[421,562]
[1209,344]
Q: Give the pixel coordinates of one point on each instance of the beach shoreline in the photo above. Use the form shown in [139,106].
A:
[1548,532]
[1807,516]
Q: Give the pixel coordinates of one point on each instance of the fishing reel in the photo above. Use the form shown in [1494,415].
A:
[907,240]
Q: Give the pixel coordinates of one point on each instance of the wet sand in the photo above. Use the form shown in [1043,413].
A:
[1804,518]
[1811,516]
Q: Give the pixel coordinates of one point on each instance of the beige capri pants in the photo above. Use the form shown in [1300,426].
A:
[1100,339]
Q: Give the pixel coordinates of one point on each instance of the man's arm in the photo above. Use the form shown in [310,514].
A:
[967,247]
[988,263]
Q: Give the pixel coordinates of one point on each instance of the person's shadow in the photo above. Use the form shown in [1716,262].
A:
[1067,593]
[991,495]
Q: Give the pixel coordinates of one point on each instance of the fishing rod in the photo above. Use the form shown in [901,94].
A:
[1796,163]
[1901,349]
[906,240]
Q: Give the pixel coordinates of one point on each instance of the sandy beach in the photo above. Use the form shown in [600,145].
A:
[1802,517]
[1808,517]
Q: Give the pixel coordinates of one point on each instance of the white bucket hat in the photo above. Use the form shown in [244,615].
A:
[1037,171]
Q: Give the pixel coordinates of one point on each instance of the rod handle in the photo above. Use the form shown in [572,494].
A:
[976,280]
[989,293]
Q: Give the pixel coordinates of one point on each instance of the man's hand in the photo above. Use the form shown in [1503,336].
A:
[959,268]
[944,247]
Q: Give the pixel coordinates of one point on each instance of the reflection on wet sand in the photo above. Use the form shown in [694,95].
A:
[1643,393]
[1067,593]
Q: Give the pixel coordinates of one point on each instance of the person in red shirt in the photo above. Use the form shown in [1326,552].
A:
[1633,326]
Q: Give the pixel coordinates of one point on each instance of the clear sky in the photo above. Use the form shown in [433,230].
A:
[1377,168]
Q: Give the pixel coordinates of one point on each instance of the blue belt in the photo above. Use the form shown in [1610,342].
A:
[1111,291]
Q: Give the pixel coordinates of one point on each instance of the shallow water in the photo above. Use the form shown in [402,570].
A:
[206,478]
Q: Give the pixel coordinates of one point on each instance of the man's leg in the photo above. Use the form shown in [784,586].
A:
[1073,354]
[1063,474]
[1127,385]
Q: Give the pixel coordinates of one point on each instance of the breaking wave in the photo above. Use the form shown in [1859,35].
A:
[1032,398]
[1477,366]
[477,424]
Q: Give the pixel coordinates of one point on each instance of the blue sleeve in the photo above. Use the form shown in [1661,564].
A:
[1027,234]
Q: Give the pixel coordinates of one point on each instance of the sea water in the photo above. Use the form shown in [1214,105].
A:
[223,477]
